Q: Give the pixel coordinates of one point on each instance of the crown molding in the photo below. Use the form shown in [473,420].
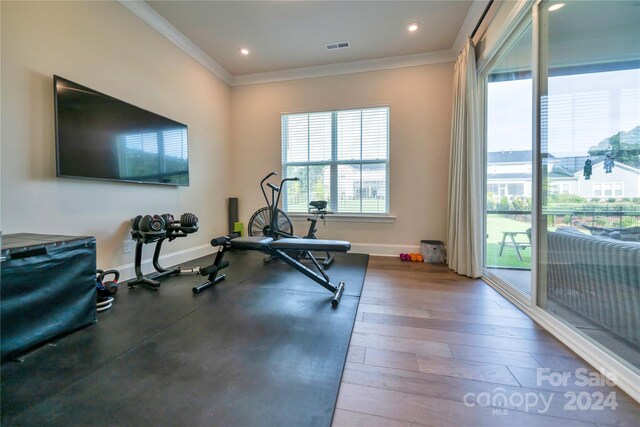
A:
[156,21]
[147,14]
[346,68]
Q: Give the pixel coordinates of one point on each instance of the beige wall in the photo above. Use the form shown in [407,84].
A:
[420,123]
[104,46]
[234,133]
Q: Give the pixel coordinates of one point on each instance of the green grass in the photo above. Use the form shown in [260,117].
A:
[496,224]
[509,258]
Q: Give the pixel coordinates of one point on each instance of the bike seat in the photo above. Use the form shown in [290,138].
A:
[318,204]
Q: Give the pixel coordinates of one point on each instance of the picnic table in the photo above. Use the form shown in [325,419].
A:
[513,242]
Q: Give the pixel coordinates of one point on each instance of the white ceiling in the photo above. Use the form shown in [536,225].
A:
[284,35]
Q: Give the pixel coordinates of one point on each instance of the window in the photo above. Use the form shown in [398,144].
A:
[339,156]
[597,190]
[516,189]
[617,189]
[608,189]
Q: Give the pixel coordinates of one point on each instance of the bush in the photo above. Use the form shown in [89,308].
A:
[611,200]
[595,200]
[491,201]
[566,198]
[518,204]
[504,203]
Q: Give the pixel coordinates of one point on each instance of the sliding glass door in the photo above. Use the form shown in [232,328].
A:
[589,227]
[508,93]
[562,168]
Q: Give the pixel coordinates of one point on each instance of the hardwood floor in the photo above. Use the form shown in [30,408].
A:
[427,343]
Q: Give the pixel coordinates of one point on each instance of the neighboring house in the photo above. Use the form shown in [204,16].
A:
[623,181]
[509,174]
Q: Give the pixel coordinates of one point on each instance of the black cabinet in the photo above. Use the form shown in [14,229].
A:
[47,289]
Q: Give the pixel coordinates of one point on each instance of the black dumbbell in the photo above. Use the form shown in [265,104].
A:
[168,219]
[135,223]
[188,220]
[150,223]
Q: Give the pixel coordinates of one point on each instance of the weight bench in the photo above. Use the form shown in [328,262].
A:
[277,249]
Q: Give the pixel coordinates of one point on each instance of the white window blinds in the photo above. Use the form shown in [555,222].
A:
[339,156]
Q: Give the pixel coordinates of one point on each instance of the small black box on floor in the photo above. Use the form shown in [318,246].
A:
[48,288]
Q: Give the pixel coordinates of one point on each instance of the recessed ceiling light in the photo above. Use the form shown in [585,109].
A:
[244,51]
[556,6]
[413,26]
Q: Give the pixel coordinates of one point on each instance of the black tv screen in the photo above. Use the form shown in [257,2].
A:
[100,137]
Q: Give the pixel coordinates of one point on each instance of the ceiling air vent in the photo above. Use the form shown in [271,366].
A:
[339,45]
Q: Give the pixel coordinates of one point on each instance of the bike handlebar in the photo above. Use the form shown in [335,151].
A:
[274,187]
[268,176]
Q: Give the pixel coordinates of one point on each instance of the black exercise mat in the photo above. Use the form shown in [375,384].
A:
[277,274]
[241,353]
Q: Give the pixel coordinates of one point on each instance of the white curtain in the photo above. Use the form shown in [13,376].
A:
[465,210]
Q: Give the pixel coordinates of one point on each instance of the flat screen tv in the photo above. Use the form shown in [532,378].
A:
[100,137]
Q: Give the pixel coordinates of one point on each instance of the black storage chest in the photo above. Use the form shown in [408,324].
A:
[47,289]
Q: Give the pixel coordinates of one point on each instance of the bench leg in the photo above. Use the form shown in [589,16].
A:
[515,245]
[207,284]
[337,295]
[504,236]
[322,279]
[218,264]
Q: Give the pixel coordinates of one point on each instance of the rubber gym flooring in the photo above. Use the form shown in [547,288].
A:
[261,348]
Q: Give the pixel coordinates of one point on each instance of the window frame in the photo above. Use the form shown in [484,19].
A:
[333,163]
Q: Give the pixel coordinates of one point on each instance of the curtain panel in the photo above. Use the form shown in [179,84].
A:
[465,207]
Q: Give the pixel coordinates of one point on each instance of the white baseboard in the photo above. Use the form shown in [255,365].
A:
[127,271]
[383,249]
[627,379]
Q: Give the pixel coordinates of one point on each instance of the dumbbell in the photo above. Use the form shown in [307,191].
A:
[188,220]
[168,219]
[135,223]
[153,223]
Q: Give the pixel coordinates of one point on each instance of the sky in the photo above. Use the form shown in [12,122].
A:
[584,109]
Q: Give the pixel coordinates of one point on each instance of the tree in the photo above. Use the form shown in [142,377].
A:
[625,147]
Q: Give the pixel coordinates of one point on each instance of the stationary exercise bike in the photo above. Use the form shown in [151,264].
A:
[318,209]
[271,221]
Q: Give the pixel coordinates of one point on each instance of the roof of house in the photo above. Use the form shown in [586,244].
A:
[512,156]
[525,176]
[522,156]
[595,165]
[575,163]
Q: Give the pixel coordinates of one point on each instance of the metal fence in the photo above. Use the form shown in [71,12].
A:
[609,218]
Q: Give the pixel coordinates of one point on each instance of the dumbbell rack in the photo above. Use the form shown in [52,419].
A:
[171,232]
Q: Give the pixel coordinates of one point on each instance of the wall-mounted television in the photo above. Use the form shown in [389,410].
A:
[100,137]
